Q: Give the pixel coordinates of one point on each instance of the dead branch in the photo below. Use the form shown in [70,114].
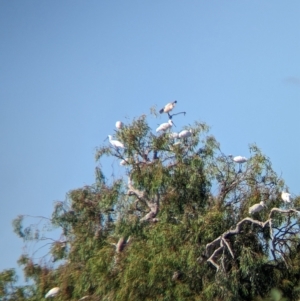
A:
[217,246]
[152,204]
[121,244]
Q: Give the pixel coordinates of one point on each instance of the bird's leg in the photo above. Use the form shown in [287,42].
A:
[155,157]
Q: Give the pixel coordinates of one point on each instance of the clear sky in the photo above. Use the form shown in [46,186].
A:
[70,69]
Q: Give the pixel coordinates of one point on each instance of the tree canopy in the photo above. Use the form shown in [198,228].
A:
[175,226]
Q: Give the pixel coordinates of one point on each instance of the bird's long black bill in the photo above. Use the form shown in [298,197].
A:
[178,114]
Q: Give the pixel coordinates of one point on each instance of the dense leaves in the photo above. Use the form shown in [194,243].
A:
[175,226]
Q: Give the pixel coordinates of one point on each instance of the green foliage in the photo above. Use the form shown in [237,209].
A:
[175,227]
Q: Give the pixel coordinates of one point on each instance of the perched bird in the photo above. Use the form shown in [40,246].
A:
[257,207]
[185,134]
[52,293]
[285,196]
[168,107]
[240,160]
[164,126]
[115,143]
[119,125]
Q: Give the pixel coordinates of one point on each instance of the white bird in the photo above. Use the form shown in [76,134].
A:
[115,143]
[257,207]
[285,196]
[52,293]
[168,107]
[185,134]
[164,126]
[124,161]
[119,124]
[240,160]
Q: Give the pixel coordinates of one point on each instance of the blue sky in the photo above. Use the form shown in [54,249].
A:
[70,69]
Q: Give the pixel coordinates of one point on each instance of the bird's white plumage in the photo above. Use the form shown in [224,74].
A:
[185,134]
[53,292]
[125,161]
[168,107]
[164,126]
[257,207]
[174,135]
[240,159]
[119,124]
[285,196]
[115,143]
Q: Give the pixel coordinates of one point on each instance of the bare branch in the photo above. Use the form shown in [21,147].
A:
[214,248]
[215,253]
[152,204]
[120,245]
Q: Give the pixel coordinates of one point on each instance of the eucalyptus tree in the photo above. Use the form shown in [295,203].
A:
[174,226]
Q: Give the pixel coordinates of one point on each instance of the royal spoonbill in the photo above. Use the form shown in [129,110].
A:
[240,160]
[119,125]
[52,293]
[115,143]
[164,126]
[257,207]
[185,134]
[285,196]
[168,107]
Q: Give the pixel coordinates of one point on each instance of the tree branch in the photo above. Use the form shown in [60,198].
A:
[152,204]
[214,248]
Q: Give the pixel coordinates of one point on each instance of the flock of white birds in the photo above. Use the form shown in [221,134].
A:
[285,196]
[162,128]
